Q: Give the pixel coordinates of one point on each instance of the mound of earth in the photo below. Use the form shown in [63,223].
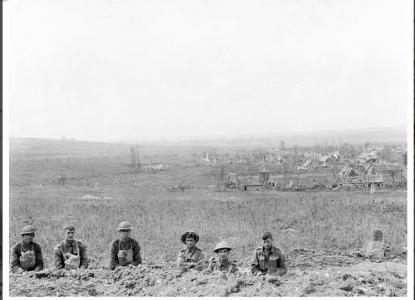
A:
[310,273]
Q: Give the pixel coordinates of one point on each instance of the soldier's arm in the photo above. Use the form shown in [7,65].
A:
[202,259]
[84,257]
[283,267]
[39,258]
[211,265]
[114,256]
[255,264]
[58,259]
[234,268]
[14,261]
[181,260]
[136,254]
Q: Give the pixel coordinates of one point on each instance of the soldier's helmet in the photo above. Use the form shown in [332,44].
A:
[124,226]
[190,233]
[222,245]
[28,229]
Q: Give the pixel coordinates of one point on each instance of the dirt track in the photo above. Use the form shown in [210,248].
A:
[310,273]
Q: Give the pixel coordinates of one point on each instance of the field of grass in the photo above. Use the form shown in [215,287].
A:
[319,220]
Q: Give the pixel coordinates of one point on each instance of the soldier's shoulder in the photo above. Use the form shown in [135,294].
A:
[182,250]
[37,246]
[80,244]
[16,246]
[198,249]
[58,246]
[134,241]
[212,259]
[278,250]
[259,249]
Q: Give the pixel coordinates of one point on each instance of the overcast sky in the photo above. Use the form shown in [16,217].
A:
[122,70]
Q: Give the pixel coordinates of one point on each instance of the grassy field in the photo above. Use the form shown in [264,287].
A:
[320,220]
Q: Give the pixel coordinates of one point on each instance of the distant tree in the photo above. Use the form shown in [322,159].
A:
[367,145]
[282,145]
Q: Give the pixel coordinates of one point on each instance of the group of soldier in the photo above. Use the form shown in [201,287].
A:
[70,254]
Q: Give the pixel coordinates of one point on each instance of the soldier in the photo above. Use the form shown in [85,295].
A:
[70,254]
[191,256]
[222,261]
[268,259]
[27,255]
[125,250]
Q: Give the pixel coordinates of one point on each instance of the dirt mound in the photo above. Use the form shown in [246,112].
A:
[310,273]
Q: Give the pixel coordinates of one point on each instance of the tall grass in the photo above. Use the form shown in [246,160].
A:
[320,220]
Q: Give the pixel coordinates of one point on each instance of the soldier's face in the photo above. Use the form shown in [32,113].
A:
[28,238]
[70,234]
[268,243]
[190,242]
[223,254]
[124,234]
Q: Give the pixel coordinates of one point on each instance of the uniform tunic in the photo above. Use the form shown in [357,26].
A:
[187,257]
[69,247]
[227,265]
[271,261]
[129,242]
[16,253]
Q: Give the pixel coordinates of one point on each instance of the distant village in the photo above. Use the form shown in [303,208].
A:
[370,166]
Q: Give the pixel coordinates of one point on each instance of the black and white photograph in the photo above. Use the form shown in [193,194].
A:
[208,148]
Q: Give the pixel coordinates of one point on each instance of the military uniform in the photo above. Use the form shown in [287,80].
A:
[187,257]
[227,266]
[124,253]
[271,261]
[70,255]
[26,258]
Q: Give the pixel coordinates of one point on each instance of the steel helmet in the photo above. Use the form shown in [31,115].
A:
[124,226]
[28,229]
[222,245]
[192,233]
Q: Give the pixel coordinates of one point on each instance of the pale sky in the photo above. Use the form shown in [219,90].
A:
[121,70]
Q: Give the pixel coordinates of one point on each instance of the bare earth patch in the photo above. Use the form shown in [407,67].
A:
[324,274]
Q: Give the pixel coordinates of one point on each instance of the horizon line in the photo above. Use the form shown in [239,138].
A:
[213,137]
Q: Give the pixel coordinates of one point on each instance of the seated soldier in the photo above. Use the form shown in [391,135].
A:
[191,256]
[268,259]
[70,254]
[27,255]
[222,261]
[125,250]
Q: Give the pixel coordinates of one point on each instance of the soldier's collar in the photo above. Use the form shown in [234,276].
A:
[194,248]
[69,243]
[271,250]
[224,262]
